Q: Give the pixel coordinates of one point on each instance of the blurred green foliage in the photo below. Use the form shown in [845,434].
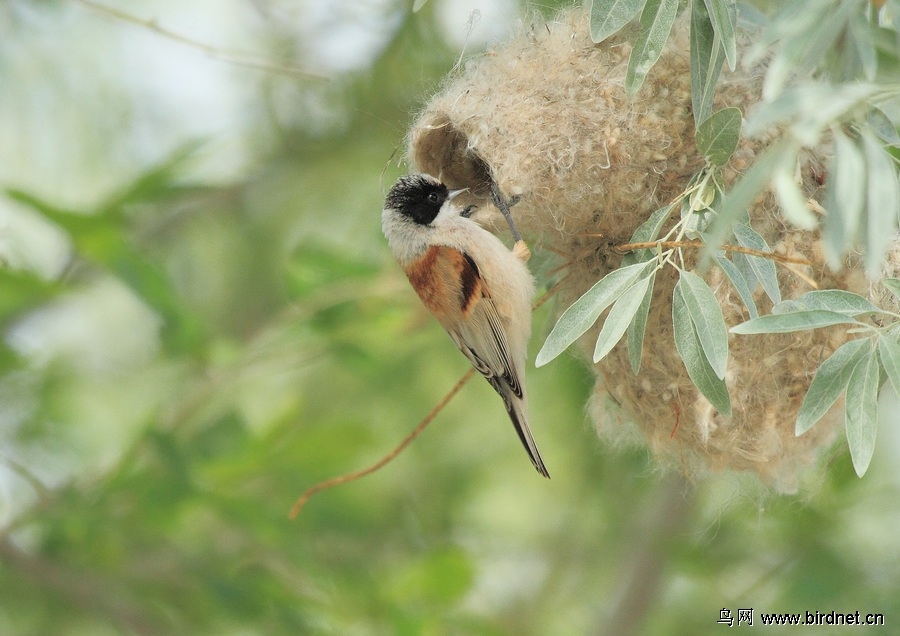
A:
[211,350]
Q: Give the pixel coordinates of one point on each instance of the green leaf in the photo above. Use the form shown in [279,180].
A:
[159,182]
[638,326]
[418,4]
[706,61]
[739,282]
[706,314]
[844,196]
[656,23]
[837,300]
[695,361]
[76,223]
[608,16]
[798,321]
[620,316]
[889,352]
[22,291]
[882,202]
[790,199]
[584,312]
[764,268]
[893,286]
[724,17]
[647,231]
[830,381]
[862,411]
[717,137]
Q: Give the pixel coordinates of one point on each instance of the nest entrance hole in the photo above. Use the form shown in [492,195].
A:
[444,151]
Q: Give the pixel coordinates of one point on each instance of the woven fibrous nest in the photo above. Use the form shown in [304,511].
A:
[545,116]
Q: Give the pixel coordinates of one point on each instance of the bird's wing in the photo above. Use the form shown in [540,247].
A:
[451,287]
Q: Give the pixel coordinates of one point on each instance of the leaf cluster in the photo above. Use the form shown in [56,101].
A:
[832,72]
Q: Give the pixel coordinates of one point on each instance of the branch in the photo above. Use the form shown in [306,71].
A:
[630,247]
[214,52]
[646,563]
[358,474]
[84,590]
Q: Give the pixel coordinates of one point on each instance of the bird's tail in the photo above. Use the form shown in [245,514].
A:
[516,408]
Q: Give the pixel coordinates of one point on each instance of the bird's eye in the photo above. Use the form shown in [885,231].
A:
[433,197]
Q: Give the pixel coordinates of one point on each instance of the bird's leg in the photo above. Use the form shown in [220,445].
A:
[520,249]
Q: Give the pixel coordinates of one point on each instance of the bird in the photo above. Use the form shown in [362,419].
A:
[477,289]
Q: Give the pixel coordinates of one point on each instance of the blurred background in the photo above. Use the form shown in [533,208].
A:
[201,319]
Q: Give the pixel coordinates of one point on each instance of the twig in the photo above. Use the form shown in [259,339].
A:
[806,279]
[503,204]
[630,247]
[81,589]
[549,293]
[212,51]
[342,479]
[656,530]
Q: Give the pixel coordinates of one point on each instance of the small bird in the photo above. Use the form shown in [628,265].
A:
[478,290]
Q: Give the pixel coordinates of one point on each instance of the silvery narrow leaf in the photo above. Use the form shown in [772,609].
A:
[696,224]
[584,312]
[791,20]
[734,204]
[862,412]
[739,282]
[806,50]
[797,321]
[723,14]
[750,18]
[844,198]
[829,382]
[809,108]
[418,4]
[764,268]
[893,17]
[646,232]
[889,352]
[638,326]
[707,56]
[882,202]
[860,36]
[608,16]
[837,300]
[892,285]
[656,23]
[742,263]
[706,314]
[691,352]
[717,137]
[791,200]
[620,316]
[882,126]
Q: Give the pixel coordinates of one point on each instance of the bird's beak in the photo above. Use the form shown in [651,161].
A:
[455,193]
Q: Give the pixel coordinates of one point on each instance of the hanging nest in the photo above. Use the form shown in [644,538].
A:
[546,117]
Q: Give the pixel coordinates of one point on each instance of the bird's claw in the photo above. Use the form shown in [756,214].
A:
[504,204]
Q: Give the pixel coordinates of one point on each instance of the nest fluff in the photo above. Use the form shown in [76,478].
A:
[545,116]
